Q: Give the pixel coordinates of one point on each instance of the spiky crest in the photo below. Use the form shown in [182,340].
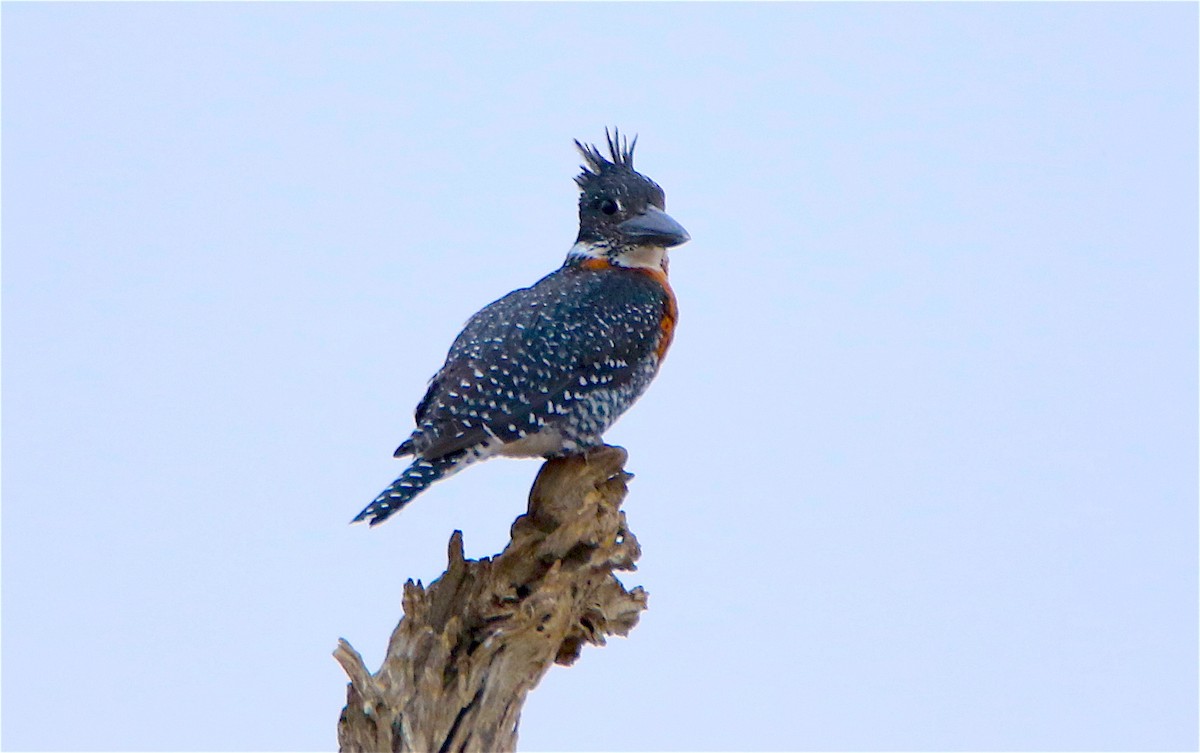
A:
[621,152]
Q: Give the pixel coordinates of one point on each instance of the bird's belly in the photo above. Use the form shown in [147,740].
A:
[548,441]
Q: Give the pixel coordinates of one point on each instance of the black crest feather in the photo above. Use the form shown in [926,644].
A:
[620,156]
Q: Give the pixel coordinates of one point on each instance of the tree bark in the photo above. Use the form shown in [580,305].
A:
[471,646]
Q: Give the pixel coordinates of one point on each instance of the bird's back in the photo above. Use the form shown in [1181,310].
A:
[568,355]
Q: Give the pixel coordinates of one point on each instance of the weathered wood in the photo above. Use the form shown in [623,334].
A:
[473,644]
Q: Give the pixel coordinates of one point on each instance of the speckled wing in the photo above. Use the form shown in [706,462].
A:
[545,356]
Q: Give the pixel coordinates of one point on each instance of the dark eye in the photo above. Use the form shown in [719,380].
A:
[608,206]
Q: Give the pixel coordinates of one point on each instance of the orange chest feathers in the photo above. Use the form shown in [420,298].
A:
[670,312]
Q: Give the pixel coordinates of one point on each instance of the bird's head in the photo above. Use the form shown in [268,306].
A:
[621,211]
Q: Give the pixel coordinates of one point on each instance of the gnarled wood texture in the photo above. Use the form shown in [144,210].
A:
[473,644]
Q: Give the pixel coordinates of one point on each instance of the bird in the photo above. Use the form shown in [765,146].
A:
[547,369]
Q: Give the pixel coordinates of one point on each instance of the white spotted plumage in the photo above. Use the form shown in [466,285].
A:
[545,370]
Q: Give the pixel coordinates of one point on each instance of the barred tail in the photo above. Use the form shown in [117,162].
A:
[415,479]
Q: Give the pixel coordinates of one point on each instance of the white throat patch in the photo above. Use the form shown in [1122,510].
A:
[642,257]
[638,257]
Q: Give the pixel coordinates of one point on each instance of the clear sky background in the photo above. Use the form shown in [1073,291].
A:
[920,471]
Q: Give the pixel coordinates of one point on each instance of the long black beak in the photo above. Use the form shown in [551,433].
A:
[654,227]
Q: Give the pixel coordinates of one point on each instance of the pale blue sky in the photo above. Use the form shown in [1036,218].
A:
[919,473]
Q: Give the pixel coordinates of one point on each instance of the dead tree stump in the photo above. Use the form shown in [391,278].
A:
[473,644]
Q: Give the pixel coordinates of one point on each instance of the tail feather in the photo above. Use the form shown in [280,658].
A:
[415,479]
[405,448]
